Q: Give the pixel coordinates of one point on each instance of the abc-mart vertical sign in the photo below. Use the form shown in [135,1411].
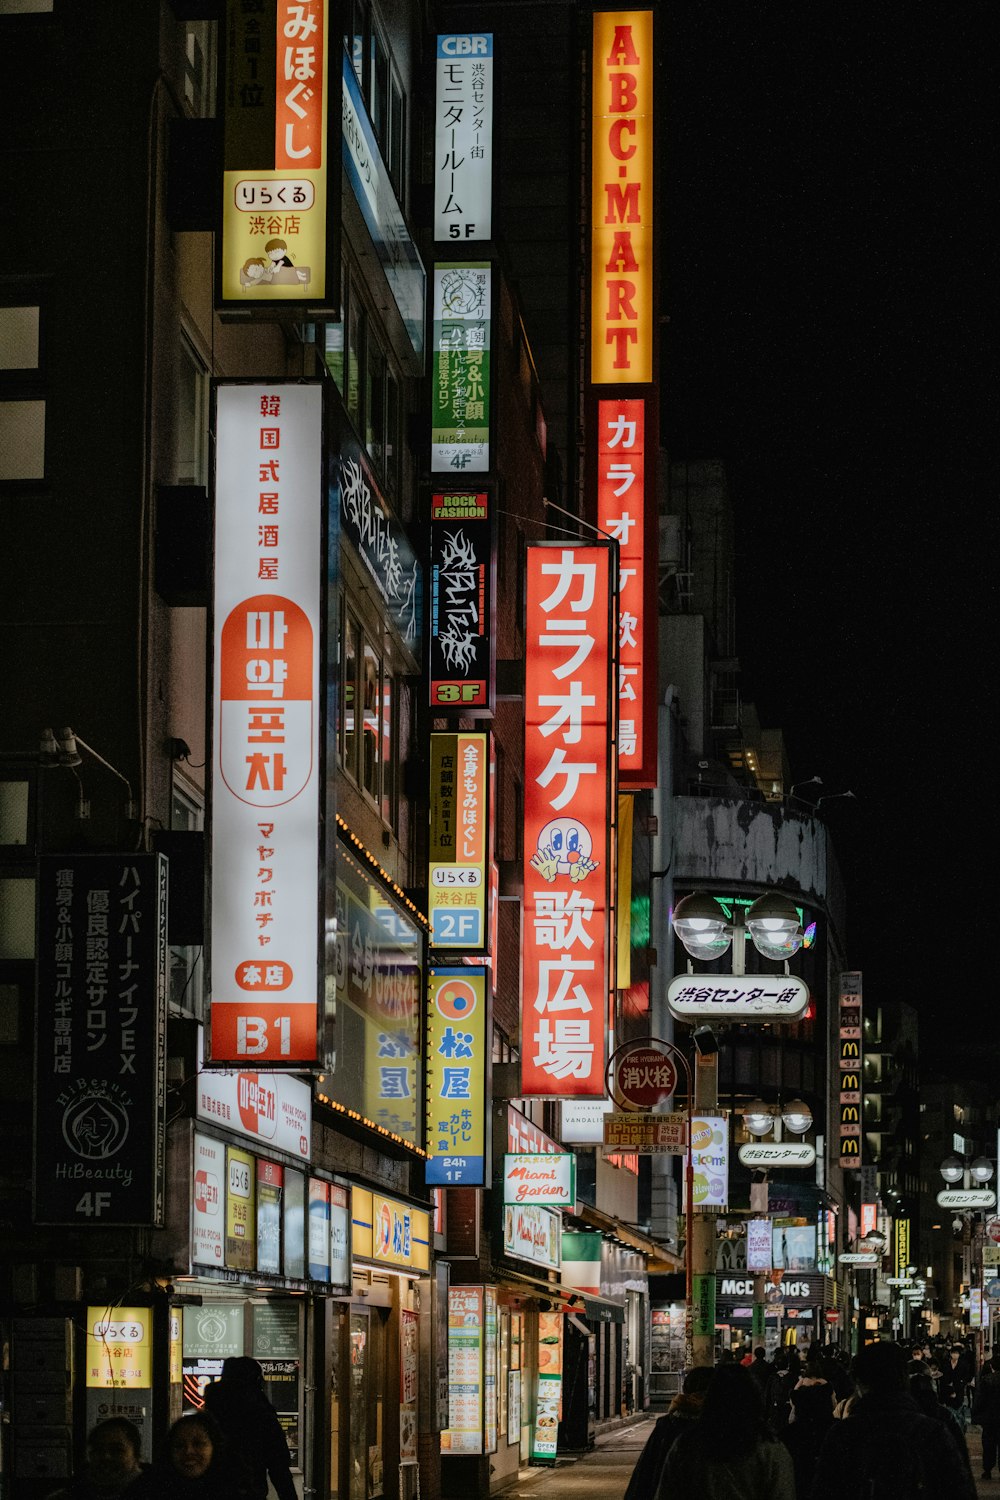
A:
[621,228]
[265,812]
[568,787]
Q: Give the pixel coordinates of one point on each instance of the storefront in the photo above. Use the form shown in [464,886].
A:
[795,1305]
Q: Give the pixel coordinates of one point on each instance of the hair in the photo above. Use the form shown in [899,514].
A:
[881,1367]
[255,260]
[275,245]
[242,1373]
[760,1352]
[733,1415]
[794,1362]
[697,1380]
[128,1430]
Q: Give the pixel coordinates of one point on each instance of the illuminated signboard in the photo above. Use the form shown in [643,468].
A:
[367,519]
[273,1109]
[375,1063]
[241,1182]
[622,512]
[460,375]
[389,1232]
[279,241]
[100,1062]
[459,836]
[621,270]
[710,1156]
[547,1181]
[462,646]
[463,138]
[568,773]
[265,825]
[464,1433]
[457,1039]
[850,1045]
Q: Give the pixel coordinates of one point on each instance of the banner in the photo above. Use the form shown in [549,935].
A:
[460,373]
[463,138]
[457,1057]
[462,646]
[568,797]
[459,842]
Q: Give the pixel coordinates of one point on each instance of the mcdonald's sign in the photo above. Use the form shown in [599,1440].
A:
[850,1042]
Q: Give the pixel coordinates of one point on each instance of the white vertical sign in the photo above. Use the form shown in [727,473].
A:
[269,498]
[463,138]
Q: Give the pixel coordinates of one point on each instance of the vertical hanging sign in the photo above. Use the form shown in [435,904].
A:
[621,233]
[265,824]
[456,1077]
[851,1062]
[568,783]
[462,648]
[458,843]
[621,512]
[460,374]
[463,138]
[279,232]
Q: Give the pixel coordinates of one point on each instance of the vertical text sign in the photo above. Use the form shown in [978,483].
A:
[463,138]
[568,712]
[460,376]
[275,202]
[621,238]
[458,844]
[457,1032]
[621,512]
[265,777]
[851,1062]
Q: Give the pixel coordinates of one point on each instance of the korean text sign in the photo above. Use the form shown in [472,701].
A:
[459,841]
[567,798]
[456,1076]
[277,237]
[266,705]
[100,1060]
[622,502]
[463,138]
[621,271]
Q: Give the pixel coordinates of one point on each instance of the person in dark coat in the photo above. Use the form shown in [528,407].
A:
[196,1464]
[811,1416]
[684,1409]
[986,1414]
[786,1374]
[730,1453]
[762,1373]
[887,1446]
[249,1421]
[921,1388]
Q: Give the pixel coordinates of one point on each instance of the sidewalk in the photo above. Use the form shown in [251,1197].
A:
[603,1473]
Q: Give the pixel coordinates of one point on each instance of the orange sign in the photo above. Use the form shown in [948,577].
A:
[621,512]
[567,849]
[621,269]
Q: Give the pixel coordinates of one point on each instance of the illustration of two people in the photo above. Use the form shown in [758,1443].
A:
[261,268]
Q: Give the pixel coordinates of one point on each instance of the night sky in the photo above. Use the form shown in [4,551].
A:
[830,279]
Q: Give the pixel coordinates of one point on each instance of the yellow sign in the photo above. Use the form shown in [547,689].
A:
[459,841]
[119,1348]
[457,1040]
[241,1241]
[388,1231]
[621,207]
[277,154]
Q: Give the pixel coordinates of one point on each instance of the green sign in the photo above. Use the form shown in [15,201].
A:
[704,1306]
[757,1323]
[460,377]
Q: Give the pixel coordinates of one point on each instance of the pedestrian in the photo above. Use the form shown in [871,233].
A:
[240,1406]
[887,1446]
[113,1463]
[951,1386]
[921,1388]
[811,1415]
[762,1374]
[779,1408]
[195,1465]
[729,1453]
[684,1409]
[986,1413]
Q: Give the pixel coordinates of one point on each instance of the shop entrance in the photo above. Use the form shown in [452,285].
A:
[366,1415]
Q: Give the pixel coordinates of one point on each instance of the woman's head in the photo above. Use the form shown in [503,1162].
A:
[113,1449]
[733,1413]
[192,1444]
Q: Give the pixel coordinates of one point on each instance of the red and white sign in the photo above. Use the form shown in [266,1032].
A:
[269,498]
[271,1108]
[568,776]
[869,1218]
[208,1223]
[642,1075]
[621,512]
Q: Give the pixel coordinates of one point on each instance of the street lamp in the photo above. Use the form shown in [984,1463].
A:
[772,922]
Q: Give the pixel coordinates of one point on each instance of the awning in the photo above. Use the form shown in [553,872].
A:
[634,1238]
[603,1310]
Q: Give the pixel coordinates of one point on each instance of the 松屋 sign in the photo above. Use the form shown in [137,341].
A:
[463,138]
[265,777]
[567,777]
[547,1181]
[457,1034]
[622,482]
[745,997]
[458,851]
[621,237]
[278,245]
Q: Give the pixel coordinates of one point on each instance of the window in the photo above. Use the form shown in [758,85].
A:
[187,970]
[191,440]
[380,87]
[369,727]
[371,758]
[26,7]
[22,440]
[199,69]
[361,370]
[19,338]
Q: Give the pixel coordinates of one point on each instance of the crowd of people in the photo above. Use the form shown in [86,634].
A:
[889,1423]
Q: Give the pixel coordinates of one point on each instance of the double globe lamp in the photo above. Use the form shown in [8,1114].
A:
[772,922]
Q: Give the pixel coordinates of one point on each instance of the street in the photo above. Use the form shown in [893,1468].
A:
[604,1472]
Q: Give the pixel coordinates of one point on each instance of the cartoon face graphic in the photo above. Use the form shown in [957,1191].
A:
[564,847]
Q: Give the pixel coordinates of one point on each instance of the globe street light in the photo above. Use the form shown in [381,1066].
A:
[772,922]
